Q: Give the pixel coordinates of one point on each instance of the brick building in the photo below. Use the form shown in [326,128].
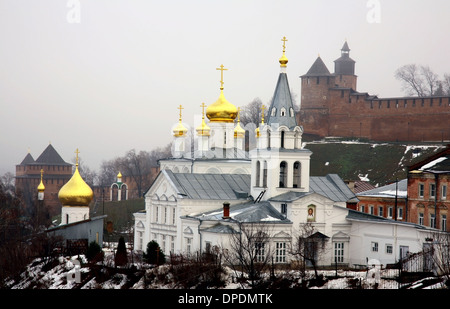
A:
[332,106]
[387,201]
[428,184]
[56,172]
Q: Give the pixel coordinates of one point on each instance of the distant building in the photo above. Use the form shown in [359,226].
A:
[332,106]
[56,173]
[428,196]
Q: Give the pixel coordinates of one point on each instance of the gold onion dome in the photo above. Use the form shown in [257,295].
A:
[76,191]
[203,129]
[283,60]
[41,186]
[221,110]
[238,131]
[180,129]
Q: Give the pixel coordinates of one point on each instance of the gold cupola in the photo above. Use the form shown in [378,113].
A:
[203,129]
[41,187]
[180,129]
[283,60]
[76,192]
[258,134]
[238,131]
[221,110]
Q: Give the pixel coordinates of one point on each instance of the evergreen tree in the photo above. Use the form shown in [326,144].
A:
[93,251]
[154,254]
[121,253]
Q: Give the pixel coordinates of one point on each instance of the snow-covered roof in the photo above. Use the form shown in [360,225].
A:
[401,190]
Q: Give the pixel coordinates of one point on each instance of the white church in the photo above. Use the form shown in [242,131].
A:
[202,197]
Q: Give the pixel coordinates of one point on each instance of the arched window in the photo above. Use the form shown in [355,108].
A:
[268,139]
[282,112]
[282,140]
[265,175]
[297,175]
[283,174]
[274,110]
[258,173]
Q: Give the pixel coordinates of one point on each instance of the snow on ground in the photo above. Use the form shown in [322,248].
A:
[74,272]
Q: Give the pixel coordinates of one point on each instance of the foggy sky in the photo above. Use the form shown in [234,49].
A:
[107,76]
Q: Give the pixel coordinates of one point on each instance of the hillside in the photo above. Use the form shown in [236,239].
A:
[378,163]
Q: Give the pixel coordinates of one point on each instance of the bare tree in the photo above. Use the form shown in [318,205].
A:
[412,81]
[251,113]
[250,250]
[422,81]
[309,246]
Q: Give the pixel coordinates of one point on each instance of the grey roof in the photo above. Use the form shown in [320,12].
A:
[248,212]
[330,186]
[50,156]
[27,160]
[318,69]
[282,99]
[210,186]
[388,191]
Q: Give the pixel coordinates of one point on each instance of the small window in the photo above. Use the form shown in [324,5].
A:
[389,248]
[374,247]
[420,218]
[444,192]
[432,190]
[283,112]
[421,189]
[283,209]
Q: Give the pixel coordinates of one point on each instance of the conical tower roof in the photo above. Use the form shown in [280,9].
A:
[50,156]
[27,160]
[318,69]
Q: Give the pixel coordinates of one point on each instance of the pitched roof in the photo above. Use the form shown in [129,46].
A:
[248,212]
[388,191]
[210,186]
[437,163]
[330,186]
[318,69]
[27,160]
[282,100]
[50,156]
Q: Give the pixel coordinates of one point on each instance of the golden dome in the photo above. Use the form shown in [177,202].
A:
[75,192]
[221,110]
[283,60]
[119,175]
[41,186]
[238,131]
[203,129]
[179,130]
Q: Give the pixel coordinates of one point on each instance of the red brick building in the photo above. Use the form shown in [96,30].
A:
[428,184]
[56,173]
[387,201]
[332,106]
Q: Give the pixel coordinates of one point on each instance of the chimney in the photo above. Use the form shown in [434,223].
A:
[226,210]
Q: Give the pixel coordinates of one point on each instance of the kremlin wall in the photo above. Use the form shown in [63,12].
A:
[332,107]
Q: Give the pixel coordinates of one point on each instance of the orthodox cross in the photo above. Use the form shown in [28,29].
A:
[239,114]
[284,43]
[262,113]
[180,108]
[203,109]
[221,75]
[77,152]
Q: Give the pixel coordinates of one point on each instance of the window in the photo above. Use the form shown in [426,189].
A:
[432,190]
[265,175]
[380,211]
[361,208]
[374,247]
[283,175]
[444,192]
[420,218]
[400,213]
[274,110]
[390,212]
[282,140]
[389,248]
[280,254]
[259,251]
[444,222]
[284,209]
[421,189]
[371,209]
[165,215]
[282,112]
[173,216]
[172,244]
[432,220]
[188,242]
[297,170]
[338,252]
[258,173]
[156,213]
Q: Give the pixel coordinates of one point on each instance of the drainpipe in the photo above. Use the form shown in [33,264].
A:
[200,234]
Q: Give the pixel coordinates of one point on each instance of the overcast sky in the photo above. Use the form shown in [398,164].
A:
[107,76]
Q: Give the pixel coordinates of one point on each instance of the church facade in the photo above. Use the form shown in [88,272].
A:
[201,199]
